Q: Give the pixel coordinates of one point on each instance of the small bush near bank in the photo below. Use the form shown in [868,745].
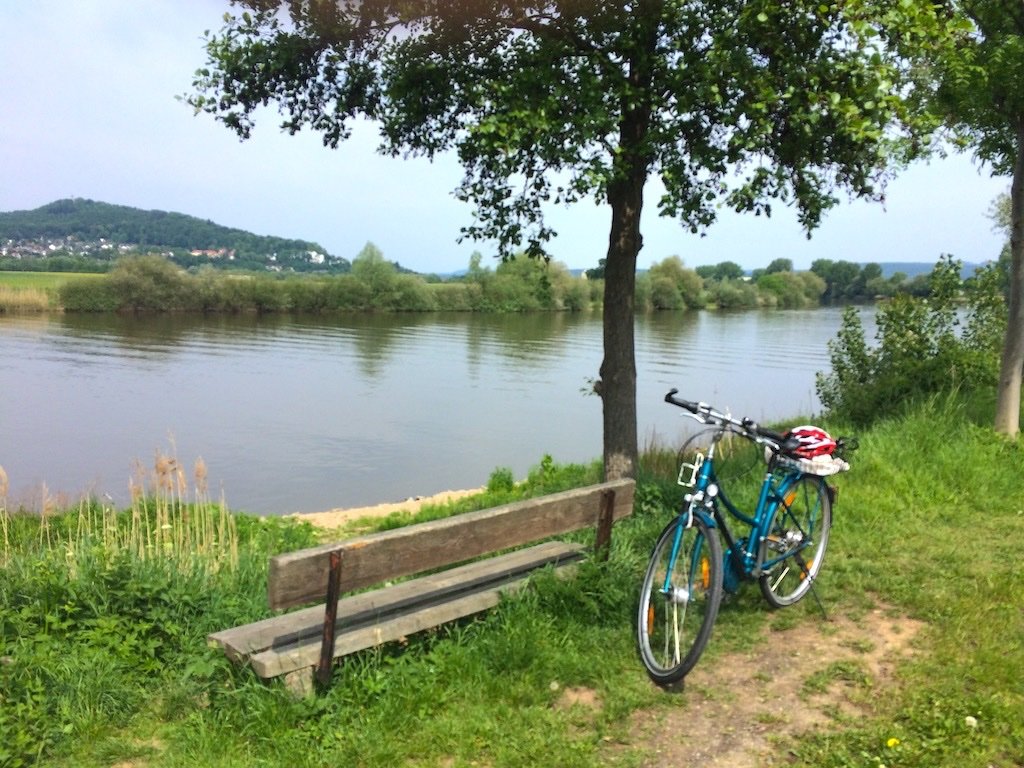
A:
[923,346]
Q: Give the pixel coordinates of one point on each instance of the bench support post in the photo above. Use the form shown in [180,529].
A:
[323,670]
[606,516]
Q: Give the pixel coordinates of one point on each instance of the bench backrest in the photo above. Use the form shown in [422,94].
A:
[297,578]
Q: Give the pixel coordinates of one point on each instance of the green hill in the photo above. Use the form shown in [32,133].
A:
[94,229]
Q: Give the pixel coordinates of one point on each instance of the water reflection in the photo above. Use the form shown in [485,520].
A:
[307,413]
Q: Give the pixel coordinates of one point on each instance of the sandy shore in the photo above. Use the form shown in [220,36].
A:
[334,518]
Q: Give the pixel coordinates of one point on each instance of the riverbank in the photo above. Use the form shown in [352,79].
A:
[336,518]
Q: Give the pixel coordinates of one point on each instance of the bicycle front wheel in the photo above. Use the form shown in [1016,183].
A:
[679,600]
[797,538]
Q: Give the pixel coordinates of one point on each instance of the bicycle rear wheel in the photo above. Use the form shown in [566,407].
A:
[797,539]
[679,600]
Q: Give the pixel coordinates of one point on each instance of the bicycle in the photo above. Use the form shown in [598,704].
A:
[784,549]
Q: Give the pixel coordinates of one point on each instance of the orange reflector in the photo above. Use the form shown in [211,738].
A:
[650,618]
[705,572]
[790,498]
[807,570]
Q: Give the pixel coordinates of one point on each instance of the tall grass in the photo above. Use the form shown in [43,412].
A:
[103,612]
[166,522]
[23,300]
[197,534]
[4,523]
[28,292]
[43,281]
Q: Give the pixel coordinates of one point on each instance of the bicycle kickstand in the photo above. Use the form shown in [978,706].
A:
[817,599]
[807,575]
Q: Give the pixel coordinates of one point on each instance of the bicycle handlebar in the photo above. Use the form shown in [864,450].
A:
[706,414]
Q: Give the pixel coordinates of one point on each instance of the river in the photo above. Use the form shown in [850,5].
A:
[308,414]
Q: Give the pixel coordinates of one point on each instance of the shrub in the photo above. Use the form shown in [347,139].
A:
[455,297]
[151,284]
[947,342]
[673,286]
[732,294]
[82,295]
[411,293]
[791,290]
[576,296]
[665,294]
[307,295]
[501,479]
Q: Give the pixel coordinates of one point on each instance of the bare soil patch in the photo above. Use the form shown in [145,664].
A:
[741,709]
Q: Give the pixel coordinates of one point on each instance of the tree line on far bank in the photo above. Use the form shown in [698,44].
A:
[151,283]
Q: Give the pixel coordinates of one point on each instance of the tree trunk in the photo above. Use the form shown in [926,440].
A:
[618,369]
[1012,362]
[626,198]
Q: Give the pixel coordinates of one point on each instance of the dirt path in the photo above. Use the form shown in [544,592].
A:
[736,711]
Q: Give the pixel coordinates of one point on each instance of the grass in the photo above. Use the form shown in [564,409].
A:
[43,281]
[27,292]
[106,663]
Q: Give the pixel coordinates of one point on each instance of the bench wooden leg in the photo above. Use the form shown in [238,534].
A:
[323,670]
[606,517]
[300,682]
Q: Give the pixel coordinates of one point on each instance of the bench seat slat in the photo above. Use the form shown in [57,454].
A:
[291,641]
[298,578]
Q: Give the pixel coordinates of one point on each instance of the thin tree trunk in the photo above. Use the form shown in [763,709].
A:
[1008,393]
[618,369]
[626,198]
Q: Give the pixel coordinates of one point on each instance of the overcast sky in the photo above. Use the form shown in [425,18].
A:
[88,91]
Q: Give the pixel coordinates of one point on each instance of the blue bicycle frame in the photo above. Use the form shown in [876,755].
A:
[747,557]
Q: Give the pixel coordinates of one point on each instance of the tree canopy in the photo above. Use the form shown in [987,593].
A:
[734,103]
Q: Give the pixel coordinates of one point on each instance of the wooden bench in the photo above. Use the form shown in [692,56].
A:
[294,644]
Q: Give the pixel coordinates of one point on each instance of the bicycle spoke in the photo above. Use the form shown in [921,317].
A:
[673,636]
[677,623]
[782,576]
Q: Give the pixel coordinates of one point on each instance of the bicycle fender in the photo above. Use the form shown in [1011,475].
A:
[707,518]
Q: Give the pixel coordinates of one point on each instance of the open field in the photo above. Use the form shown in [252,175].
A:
[43,281]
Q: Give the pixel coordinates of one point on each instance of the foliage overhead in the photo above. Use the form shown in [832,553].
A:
[539,99]
[979,85]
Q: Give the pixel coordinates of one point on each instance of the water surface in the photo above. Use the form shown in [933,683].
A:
[307,414]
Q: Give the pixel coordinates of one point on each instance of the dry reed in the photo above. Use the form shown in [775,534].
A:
[162,523]
[165,524]
[4,523]
[23,299]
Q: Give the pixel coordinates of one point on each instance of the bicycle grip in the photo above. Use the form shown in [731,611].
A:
[670,397]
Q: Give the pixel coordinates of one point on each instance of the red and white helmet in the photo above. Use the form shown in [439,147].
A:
[814,441]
